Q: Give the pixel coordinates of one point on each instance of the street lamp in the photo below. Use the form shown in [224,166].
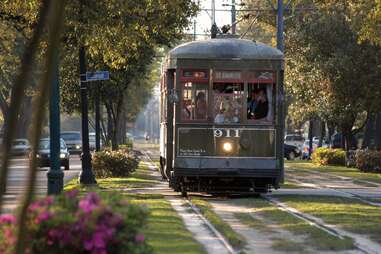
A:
[86,175]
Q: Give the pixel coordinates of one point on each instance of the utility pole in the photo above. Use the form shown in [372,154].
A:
[280,26]
[214,29]
[233,17]
[194,29]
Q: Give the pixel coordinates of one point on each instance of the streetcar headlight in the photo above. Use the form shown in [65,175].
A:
[227,146]
[77,147]
[62,155]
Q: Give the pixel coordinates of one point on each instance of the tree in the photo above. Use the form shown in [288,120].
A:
[119,36]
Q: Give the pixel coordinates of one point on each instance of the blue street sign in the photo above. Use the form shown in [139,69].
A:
[97,75]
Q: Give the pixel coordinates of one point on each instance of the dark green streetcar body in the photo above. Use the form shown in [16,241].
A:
[210,140]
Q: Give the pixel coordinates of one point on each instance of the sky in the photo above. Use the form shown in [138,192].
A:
[203,19]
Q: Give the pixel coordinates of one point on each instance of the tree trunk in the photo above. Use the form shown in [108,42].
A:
[331,130]
[322,133]
[24,118]
[369,133]
[378,132]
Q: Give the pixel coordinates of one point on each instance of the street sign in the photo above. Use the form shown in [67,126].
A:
[97,75]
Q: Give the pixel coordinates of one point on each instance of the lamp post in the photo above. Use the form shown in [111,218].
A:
[55,175]
[86,175]
[97,121]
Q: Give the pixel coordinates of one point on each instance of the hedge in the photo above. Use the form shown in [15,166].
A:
[368,161]
[328,156]
[114,163]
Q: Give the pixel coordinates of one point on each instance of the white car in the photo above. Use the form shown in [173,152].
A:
[294,140]
[92,141]
[20,147]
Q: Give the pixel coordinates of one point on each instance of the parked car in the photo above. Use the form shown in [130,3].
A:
[336,141]
[20,147]
[43,154]
[73,140]
[294,139]
[291,152]
[92,141]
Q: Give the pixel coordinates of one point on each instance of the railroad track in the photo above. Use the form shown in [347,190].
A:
[363,245]
[340,192]
[198,215]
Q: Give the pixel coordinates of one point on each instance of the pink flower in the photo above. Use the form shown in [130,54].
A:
[139,238]
[43,216]
[89,202]
[7,218]
[49,200]
[72,193]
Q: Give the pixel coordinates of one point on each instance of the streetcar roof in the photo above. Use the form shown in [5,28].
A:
[225,49]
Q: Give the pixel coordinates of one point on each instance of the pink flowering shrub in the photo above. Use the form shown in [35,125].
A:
[82,225]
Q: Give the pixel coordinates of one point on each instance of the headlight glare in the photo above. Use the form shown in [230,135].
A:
[227,146]
[62,155]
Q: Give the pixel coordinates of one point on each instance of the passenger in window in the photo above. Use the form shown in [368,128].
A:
[262,107]
[252,104]
[185,112]
[201,107]
[220,118]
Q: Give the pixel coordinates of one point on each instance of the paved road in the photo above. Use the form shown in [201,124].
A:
[18,174]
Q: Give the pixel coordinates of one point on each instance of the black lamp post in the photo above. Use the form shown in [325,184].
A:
[86,175]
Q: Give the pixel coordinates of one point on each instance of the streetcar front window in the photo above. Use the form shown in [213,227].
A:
[227,107]
[260,102]
[194,101]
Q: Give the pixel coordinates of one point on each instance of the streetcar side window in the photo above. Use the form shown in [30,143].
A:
[194,102]
[227,105]
[260,102]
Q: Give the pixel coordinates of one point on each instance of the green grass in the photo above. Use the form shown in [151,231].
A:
[272,216]
[254,222]
[346,213]
[165,231]
[337,170]
[290,185]
[235,239]
[289,246]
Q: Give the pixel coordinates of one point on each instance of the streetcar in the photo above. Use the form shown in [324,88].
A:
[221,117]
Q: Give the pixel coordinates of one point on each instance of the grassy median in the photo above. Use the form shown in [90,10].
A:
[349,214]
[354,173]
[165,231]
[267,218]
[235,239]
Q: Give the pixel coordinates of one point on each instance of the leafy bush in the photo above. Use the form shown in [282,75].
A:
[113,163]
[328,156]
[86,225]
[368,161]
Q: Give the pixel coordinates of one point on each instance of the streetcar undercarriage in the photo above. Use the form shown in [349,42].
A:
[215,184]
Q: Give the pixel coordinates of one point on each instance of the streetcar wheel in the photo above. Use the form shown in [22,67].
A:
[183,191]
